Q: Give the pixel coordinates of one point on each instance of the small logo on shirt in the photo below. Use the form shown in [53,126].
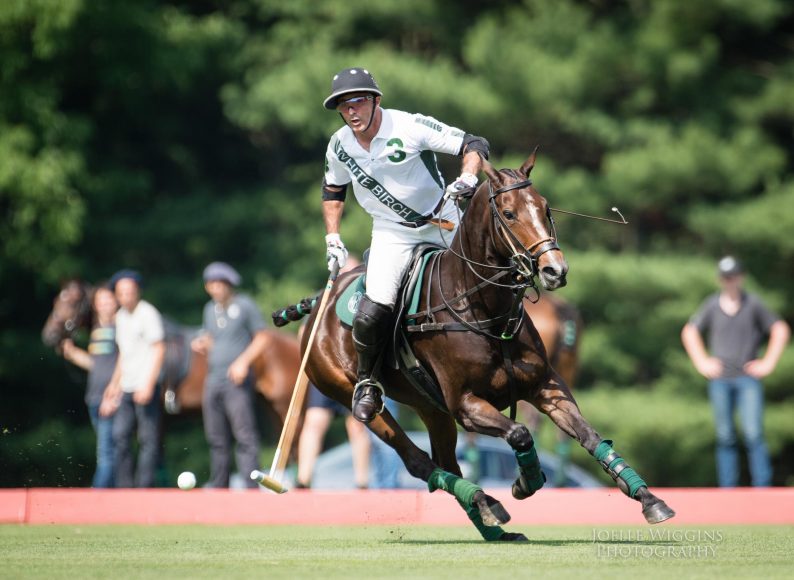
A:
[234,311]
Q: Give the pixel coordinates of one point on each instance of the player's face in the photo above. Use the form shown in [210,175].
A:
[127,293]
[357,110]
[219,290]
[105,303]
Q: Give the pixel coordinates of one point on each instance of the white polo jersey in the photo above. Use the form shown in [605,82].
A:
[136,332]
[398,179]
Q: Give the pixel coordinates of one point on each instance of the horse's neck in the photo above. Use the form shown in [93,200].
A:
[86,317]
[473,260]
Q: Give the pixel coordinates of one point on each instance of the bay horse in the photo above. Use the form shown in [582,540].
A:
[184,370]
[482,350]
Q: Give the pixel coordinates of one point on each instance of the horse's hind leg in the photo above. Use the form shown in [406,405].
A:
[476,414]
[555,400]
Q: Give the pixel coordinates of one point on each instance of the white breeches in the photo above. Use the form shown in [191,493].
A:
[391,250]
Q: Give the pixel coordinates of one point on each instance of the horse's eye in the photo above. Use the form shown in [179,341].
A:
[508,214]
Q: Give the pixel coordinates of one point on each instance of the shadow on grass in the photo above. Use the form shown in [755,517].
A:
[531,542]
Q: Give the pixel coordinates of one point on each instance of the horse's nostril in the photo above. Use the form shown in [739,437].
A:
[552,272]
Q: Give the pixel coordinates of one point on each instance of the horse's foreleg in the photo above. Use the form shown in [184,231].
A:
[484,511]
[555,400]
[416,461]
[476,414]
[443,438]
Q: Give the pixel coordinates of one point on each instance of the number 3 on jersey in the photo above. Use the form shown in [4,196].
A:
[398,154]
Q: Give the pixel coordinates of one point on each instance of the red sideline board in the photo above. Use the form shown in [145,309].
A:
[694,506]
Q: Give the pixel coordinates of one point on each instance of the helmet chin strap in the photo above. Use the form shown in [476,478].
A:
[371,115]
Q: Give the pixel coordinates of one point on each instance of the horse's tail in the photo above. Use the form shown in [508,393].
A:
[294,312]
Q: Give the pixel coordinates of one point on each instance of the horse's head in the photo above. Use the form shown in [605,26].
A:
[71,310]
[523,229]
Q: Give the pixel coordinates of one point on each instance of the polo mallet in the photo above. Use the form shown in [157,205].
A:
[273,480]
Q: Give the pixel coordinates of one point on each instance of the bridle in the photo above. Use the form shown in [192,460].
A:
[81,312]
[523,266]
[522,270]
[524,260]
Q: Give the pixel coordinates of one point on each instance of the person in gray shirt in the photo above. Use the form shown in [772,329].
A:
[736,324]
[233,336]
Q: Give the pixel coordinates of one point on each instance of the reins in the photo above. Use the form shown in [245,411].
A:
[523,268]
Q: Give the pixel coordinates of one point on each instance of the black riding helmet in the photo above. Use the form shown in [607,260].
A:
[351,80]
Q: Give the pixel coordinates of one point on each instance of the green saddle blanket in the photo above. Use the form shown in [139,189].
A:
[347,303]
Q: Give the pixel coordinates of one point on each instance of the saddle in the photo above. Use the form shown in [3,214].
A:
[399,355]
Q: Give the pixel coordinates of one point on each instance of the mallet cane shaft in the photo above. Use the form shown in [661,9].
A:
[273,480]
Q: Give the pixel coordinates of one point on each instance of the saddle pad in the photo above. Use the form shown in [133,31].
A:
[347,303]
[416,291]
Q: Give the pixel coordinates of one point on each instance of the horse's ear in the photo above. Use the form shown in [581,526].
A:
[526,168]
[492,173]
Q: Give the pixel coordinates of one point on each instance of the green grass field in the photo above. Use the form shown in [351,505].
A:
[405,552]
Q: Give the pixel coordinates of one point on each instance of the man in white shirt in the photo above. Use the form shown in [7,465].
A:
[389,157]
[132,393]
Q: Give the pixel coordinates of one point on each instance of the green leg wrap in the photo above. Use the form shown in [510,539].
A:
[489,533]
[464,492]
[529,465]
[618,469]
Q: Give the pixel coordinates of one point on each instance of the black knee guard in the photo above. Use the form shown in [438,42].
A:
[519,438]
[370,328]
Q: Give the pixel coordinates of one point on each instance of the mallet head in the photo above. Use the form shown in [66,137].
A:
[269,482]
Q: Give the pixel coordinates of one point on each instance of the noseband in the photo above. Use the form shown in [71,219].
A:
[524,260]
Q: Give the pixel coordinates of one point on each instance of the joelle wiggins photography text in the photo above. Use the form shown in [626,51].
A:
[657,543]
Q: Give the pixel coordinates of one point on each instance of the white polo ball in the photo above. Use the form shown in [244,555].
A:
[186,480]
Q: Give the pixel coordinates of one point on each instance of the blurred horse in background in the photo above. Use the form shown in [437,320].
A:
[184,370]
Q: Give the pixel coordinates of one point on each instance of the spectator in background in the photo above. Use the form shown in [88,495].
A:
[133,394]
[386,464]
[736,323]
[100,362]
[233,336]
[320,412]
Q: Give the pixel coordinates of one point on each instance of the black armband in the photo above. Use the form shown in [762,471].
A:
[475,143]
[333,195]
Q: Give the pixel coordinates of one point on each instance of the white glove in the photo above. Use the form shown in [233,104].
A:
[465,182]
[335,250]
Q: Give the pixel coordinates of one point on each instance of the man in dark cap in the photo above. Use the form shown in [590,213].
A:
[389,158]
[233,337]
[736,323]
[132,395]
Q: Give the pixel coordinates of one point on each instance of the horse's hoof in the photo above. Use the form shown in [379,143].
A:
[522,489]
[513,537]
[657,512]
[491,511]
[519,493]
